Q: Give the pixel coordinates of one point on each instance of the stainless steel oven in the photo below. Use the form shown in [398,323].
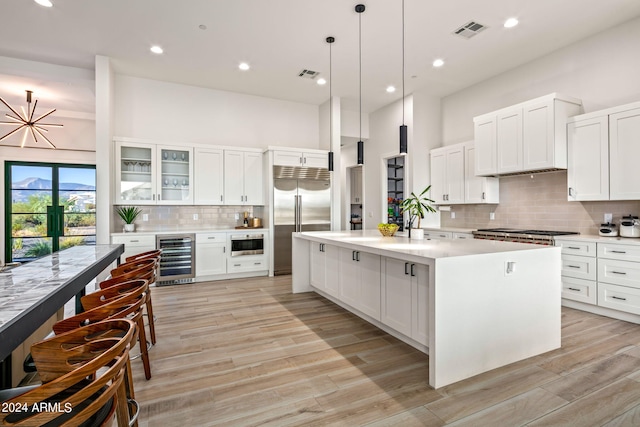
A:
[247,244]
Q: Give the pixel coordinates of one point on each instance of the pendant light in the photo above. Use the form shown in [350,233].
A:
[403,127]
[360,9]
[330,40]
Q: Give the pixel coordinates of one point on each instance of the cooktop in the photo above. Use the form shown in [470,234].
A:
[523,231]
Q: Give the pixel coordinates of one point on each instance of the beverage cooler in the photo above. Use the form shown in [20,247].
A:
[177,262]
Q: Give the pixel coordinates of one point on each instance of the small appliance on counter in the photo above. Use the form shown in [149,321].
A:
[608,230]
[630,226]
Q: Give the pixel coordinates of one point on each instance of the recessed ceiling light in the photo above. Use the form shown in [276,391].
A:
[45,3]
[244,66]
[438,63]
[391,89]
[157,50]
[321,81]
[511,22]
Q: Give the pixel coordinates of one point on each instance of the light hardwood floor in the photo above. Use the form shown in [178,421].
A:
[251,353]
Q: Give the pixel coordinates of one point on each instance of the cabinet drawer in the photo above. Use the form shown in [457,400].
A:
[240,266]
[211,238]
[619,297]
[579,290]
[457,236]
[624,273]
[437,235]
[145,240]
[619,251]
[577,248]
[580,267]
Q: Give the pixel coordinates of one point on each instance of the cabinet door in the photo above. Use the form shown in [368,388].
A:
[349,277]
[486,145]
[588,159]
[438,176]
[317,266]
[369,265]
[538,135]
[356,185]
[208,174]
[315,160]
[211,259]
[624,152]
[175,175]
[509,137]
[253,179]
[135,174]
[455,175]
[420,300]
[233,177]
[397,296]
[333,274]
[287,158]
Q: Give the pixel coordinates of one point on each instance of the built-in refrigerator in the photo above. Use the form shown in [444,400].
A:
[301,202]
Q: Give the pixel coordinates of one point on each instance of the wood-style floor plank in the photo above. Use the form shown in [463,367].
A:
[248,352]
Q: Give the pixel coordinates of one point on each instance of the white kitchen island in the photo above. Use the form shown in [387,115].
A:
[472,305]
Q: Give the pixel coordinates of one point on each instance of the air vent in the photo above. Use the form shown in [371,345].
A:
[308,74]
[470,29]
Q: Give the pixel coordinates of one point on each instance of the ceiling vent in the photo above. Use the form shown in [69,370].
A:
[470,29]
[308,74]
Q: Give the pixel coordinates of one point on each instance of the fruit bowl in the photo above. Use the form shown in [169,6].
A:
[388,230]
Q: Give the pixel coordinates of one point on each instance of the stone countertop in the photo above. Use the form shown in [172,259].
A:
[190,230]
[373,242]
[601,239]
[33,292]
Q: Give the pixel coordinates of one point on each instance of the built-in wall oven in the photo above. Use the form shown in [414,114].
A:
[178,260]
[247,244]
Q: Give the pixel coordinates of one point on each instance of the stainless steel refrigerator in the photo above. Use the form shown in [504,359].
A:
[301,202]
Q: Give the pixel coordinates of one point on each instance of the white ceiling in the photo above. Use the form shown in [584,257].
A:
[281,37]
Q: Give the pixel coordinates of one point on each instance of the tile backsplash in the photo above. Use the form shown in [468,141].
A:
[182,217]
[539,201]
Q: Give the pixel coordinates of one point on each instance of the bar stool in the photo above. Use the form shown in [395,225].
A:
[82,373]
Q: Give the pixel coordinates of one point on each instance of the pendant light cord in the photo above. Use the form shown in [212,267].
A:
[360,62]
[402,62]
[330,100]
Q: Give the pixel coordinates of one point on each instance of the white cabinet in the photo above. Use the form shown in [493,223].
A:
[525,137]
[619,277]
[478,189]
[602,152]
[325,268]
[208,176]
[588,161]
[447,174]
[135,244]
[243,180]
[148,174]
[437,235]
[360,281]
[356,186]
[461,236]
[211,254]
[624,152]
[454,180]
[578,270]
[299,158]
[405,298]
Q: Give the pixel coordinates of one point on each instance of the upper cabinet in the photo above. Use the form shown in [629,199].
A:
[209,176]
[243,181]
[526,137]
[603,149]
[148,174]
[313,159]
[454,180]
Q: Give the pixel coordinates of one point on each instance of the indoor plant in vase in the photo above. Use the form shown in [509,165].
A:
[416,207]
[128,215]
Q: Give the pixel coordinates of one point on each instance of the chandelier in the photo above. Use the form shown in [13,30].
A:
[27,122]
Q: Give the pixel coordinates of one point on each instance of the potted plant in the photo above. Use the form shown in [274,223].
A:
[416,207]
[128,215]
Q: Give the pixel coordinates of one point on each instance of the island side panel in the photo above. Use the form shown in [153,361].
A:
[300,265]
[484,317]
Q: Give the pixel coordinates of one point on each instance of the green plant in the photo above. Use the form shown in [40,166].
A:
[417,206]
[38,249]
[128,213]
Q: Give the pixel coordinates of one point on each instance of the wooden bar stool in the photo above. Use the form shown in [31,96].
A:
[82,373]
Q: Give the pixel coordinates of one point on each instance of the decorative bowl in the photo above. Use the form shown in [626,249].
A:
[387,230]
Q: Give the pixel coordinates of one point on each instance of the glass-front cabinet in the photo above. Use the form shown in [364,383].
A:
[149,174]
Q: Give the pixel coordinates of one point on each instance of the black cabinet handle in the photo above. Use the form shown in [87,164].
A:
[358,256]
[573,266]
[619,272]
[406,268]
[574,289]
[620,298]
[412,269]
[353,255]
[619,252]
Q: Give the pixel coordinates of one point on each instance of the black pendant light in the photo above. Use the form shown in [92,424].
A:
[359,9]
[330,40]
[403,127]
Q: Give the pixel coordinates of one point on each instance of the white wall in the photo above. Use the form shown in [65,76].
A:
[601,70]
[162,111]
[351,124]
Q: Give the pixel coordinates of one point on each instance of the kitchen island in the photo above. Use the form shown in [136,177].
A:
[472,305]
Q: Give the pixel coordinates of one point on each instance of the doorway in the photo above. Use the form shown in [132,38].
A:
[48,207]
[356,194]
[395,190]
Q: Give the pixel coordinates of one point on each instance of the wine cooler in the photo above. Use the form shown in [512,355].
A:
[177,262]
